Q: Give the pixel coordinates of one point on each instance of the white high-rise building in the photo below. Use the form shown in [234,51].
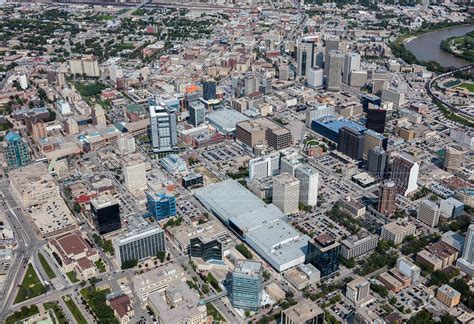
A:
[468,253]
[318,112]
[126,144]
[264,166]
[116,72]
[134,175]
[98,116]
[163,130]
[23,81]
[351,63]
[358,78]
[286,191]
[331,44]
[428,213]
[315,77]
[304,58]
[466,263]
[409,269]
[87,65]
[394,96]
[405,174]
[335,63]
[358,290]
[309,182]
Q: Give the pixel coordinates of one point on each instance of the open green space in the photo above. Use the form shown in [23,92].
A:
[57,311]
[216,316]
[72,276]
[25,312]
[96,299]
[74,310]
[100,265]
[468,86]
[47,268]
[30,287]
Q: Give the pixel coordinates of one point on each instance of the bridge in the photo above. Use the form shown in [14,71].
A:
[210,299]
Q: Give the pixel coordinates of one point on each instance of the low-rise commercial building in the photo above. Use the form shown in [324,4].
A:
[157,280]
[397,231]
[357,245]
[448,295]
[303,312]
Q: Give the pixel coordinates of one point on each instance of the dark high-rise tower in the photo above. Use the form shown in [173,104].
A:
[376,120]
[323,253]
[351,143]
[377,162]
[209,89]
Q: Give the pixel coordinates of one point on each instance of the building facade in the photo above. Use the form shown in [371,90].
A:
[323,253]
[161,205]
[16,150]
[246,285]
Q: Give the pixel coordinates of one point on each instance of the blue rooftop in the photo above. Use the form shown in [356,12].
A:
[12,137]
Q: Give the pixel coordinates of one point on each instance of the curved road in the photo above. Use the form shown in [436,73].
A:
[436,99]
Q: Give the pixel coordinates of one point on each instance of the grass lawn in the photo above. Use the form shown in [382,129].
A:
[74,310]
[211,310]
[100,265]
[30,287]
[72,276]
[46,266]
[19,315]
[97,302]
[57,311]
[468,86]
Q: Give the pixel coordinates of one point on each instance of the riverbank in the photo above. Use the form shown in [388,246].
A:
[400,50]
[458,46]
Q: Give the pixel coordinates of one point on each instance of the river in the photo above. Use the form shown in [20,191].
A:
[427,47]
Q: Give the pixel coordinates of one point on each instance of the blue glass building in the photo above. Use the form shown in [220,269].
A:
[323,253]
[245,289]
[161,205]
[329,127]
[16,150]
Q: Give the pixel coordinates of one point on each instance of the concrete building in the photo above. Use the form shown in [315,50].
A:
[318,112]
[315,78]
[351,63]
[263,131]
[264,166]
[323,253]
[16,150]
[466,263]
[286,191]
[178,304]
[98,116]
[358,78]
[453,158]
[352,206]
[377,162]
[126,144]
[372,139]
[87,65]
[451,208]
[331,44]
[143,240]
[394,280]
[261,226]
[405,174]
[75,255]
[409,269]
[157,280]
[303,276]
[134,176]
[394,96]
[358,245]
[428,213]
[448,296]
[396,231]
[304,57]
[309,182]
[303,312]
[335,63]
[246,285]
[358,290]
[387,198]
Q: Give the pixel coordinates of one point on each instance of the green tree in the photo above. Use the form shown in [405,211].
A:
[129,264]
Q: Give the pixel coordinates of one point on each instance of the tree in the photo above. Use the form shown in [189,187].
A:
[205,289]
[448,319]
[129,264]
[161,256]
[77,208]
[422,317]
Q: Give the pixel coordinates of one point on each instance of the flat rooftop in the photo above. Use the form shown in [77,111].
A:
[262,226]
[249,268]
[335,124]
